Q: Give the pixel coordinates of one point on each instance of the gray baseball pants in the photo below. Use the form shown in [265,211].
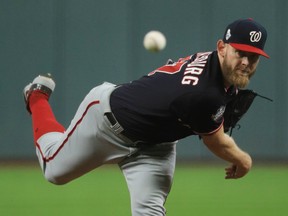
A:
[91,141]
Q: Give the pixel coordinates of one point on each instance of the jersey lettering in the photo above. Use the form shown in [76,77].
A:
[171,68]
[194,69]
[187,80]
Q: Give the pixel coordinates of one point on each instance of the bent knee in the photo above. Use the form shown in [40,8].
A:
[57,179]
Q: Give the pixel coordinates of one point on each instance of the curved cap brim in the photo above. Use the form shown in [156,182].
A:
[247,48]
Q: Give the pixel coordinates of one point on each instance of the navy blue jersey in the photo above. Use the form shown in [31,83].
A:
[179,99]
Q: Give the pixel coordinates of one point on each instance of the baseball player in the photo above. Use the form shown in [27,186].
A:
[137,124]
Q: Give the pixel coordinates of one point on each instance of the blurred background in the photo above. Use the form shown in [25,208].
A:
[83,43]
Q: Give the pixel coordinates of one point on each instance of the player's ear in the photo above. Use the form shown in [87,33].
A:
[221,47]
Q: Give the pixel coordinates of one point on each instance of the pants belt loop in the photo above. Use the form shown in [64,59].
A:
[116,127]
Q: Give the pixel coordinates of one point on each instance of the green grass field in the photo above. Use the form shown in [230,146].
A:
[197,190]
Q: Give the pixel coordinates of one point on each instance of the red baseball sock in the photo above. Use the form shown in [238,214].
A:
[43,119]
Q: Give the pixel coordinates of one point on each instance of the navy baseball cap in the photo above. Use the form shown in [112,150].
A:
[246,35]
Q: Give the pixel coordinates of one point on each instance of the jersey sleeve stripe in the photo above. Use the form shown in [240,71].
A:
[211,132]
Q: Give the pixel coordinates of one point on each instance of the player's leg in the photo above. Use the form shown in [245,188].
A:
[149,176]
[86,144]
[36,96]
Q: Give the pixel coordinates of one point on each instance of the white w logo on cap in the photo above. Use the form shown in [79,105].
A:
[255,36]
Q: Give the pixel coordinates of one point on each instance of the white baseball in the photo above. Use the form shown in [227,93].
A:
[154,41]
